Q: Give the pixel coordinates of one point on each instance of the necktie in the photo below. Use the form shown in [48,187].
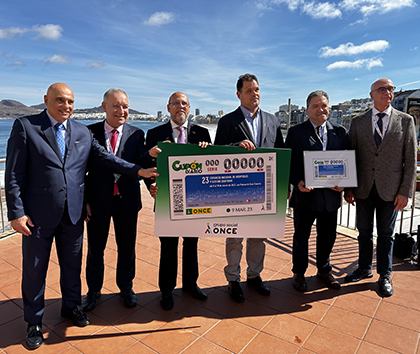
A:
[181,136]
[114,139]
[317,130]
[376,136]
[59,134]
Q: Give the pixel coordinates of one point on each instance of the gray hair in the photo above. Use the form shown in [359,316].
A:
[111,91]
[317,93]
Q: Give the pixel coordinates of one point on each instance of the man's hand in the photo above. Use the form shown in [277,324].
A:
[153,190]
[337,189]
[301,186]
[203,144]
[20,225]
[400,202]
[88,212]
[249,145]
[349,196]
[148,172]
[154,151]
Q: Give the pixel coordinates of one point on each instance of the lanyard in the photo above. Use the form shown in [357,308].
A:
[384,126]
[108,144]
[324,137]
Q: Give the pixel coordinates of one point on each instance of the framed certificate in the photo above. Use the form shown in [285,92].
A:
[221,191]
[325,169]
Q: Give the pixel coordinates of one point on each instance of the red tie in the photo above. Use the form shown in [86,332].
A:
[114,139]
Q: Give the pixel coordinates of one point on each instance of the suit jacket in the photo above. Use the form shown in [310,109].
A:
[99,181]
[392,166]
[38,182]
[233,128]
[302,137]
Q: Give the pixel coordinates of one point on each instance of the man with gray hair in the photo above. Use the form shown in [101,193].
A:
[385,143]
[308,203]
[111,195]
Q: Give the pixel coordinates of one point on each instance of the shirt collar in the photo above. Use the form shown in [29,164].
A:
[54,122]
[109,129]
[248,114]
[174,125]
[323,125]
[387,111]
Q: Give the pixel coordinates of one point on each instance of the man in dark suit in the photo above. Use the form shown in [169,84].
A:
[385,143]
[180,131]
[248,127]
[46,163]
[309,204]
[117,196]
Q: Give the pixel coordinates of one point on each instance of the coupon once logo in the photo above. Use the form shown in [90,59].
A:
[199,211]
[193,167]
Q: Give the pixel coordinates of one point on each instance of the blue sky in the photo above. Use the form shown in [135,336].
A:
[153,48]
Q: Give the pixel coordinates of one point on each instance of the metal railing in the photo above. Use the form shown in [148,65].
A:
[5,227]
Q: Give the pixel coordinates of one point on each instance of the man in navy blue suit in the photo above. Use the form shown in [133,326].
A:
[308,203]
[117,196]
[46,163]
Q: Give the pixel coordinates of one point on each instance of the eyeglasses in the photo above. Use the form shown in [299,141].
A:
[179,103]
[385,89]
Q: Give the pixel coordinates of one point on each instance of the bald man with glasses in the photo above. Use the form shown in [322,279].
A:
[385,143]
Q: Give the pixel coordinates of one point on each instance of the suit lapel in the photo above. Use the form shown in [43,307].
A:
[125,135]
[49,134]
[311,137]
[264,127]
[393,124]
[243,125]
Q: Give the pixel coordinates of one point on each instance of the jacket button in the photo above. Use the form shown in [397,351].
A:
[373,169]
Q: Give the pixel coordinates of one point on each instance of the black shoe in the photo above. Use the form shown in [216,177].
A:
[299,282]
[358,275]
[385,286]
[195,292]
[34,337]
[167,301]
[259,285]
[76,314]
[89,302]
[328,279]
[130,298]
[235,291]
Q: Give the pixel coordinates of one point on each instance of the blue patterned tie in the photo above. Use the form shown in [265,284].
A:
[378,139]
[59,130]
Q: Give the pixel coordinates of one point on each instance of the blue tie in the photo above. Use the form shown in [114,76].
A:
[377,137]
[59,129]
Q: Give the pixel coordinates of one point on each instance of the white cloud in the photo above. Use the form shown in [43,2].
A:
[368,63]
[8,33]
[48,32]
[17,63]
[321,10]
[160,18]
[385,6]
[95,65]
[58,58]
[351,49]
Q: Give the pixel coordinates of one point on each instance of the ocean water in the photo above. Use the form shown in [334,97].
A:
[6,128]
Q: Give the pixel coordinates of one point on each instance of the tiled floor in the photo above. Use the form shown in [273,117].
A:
[354,319]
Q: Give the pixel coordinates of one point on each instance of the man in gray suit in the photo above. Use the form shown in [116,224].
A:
[248,127]
[385,143]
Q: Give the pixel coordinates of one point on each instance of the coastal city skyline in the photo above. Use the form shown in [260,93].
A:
[153,49]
